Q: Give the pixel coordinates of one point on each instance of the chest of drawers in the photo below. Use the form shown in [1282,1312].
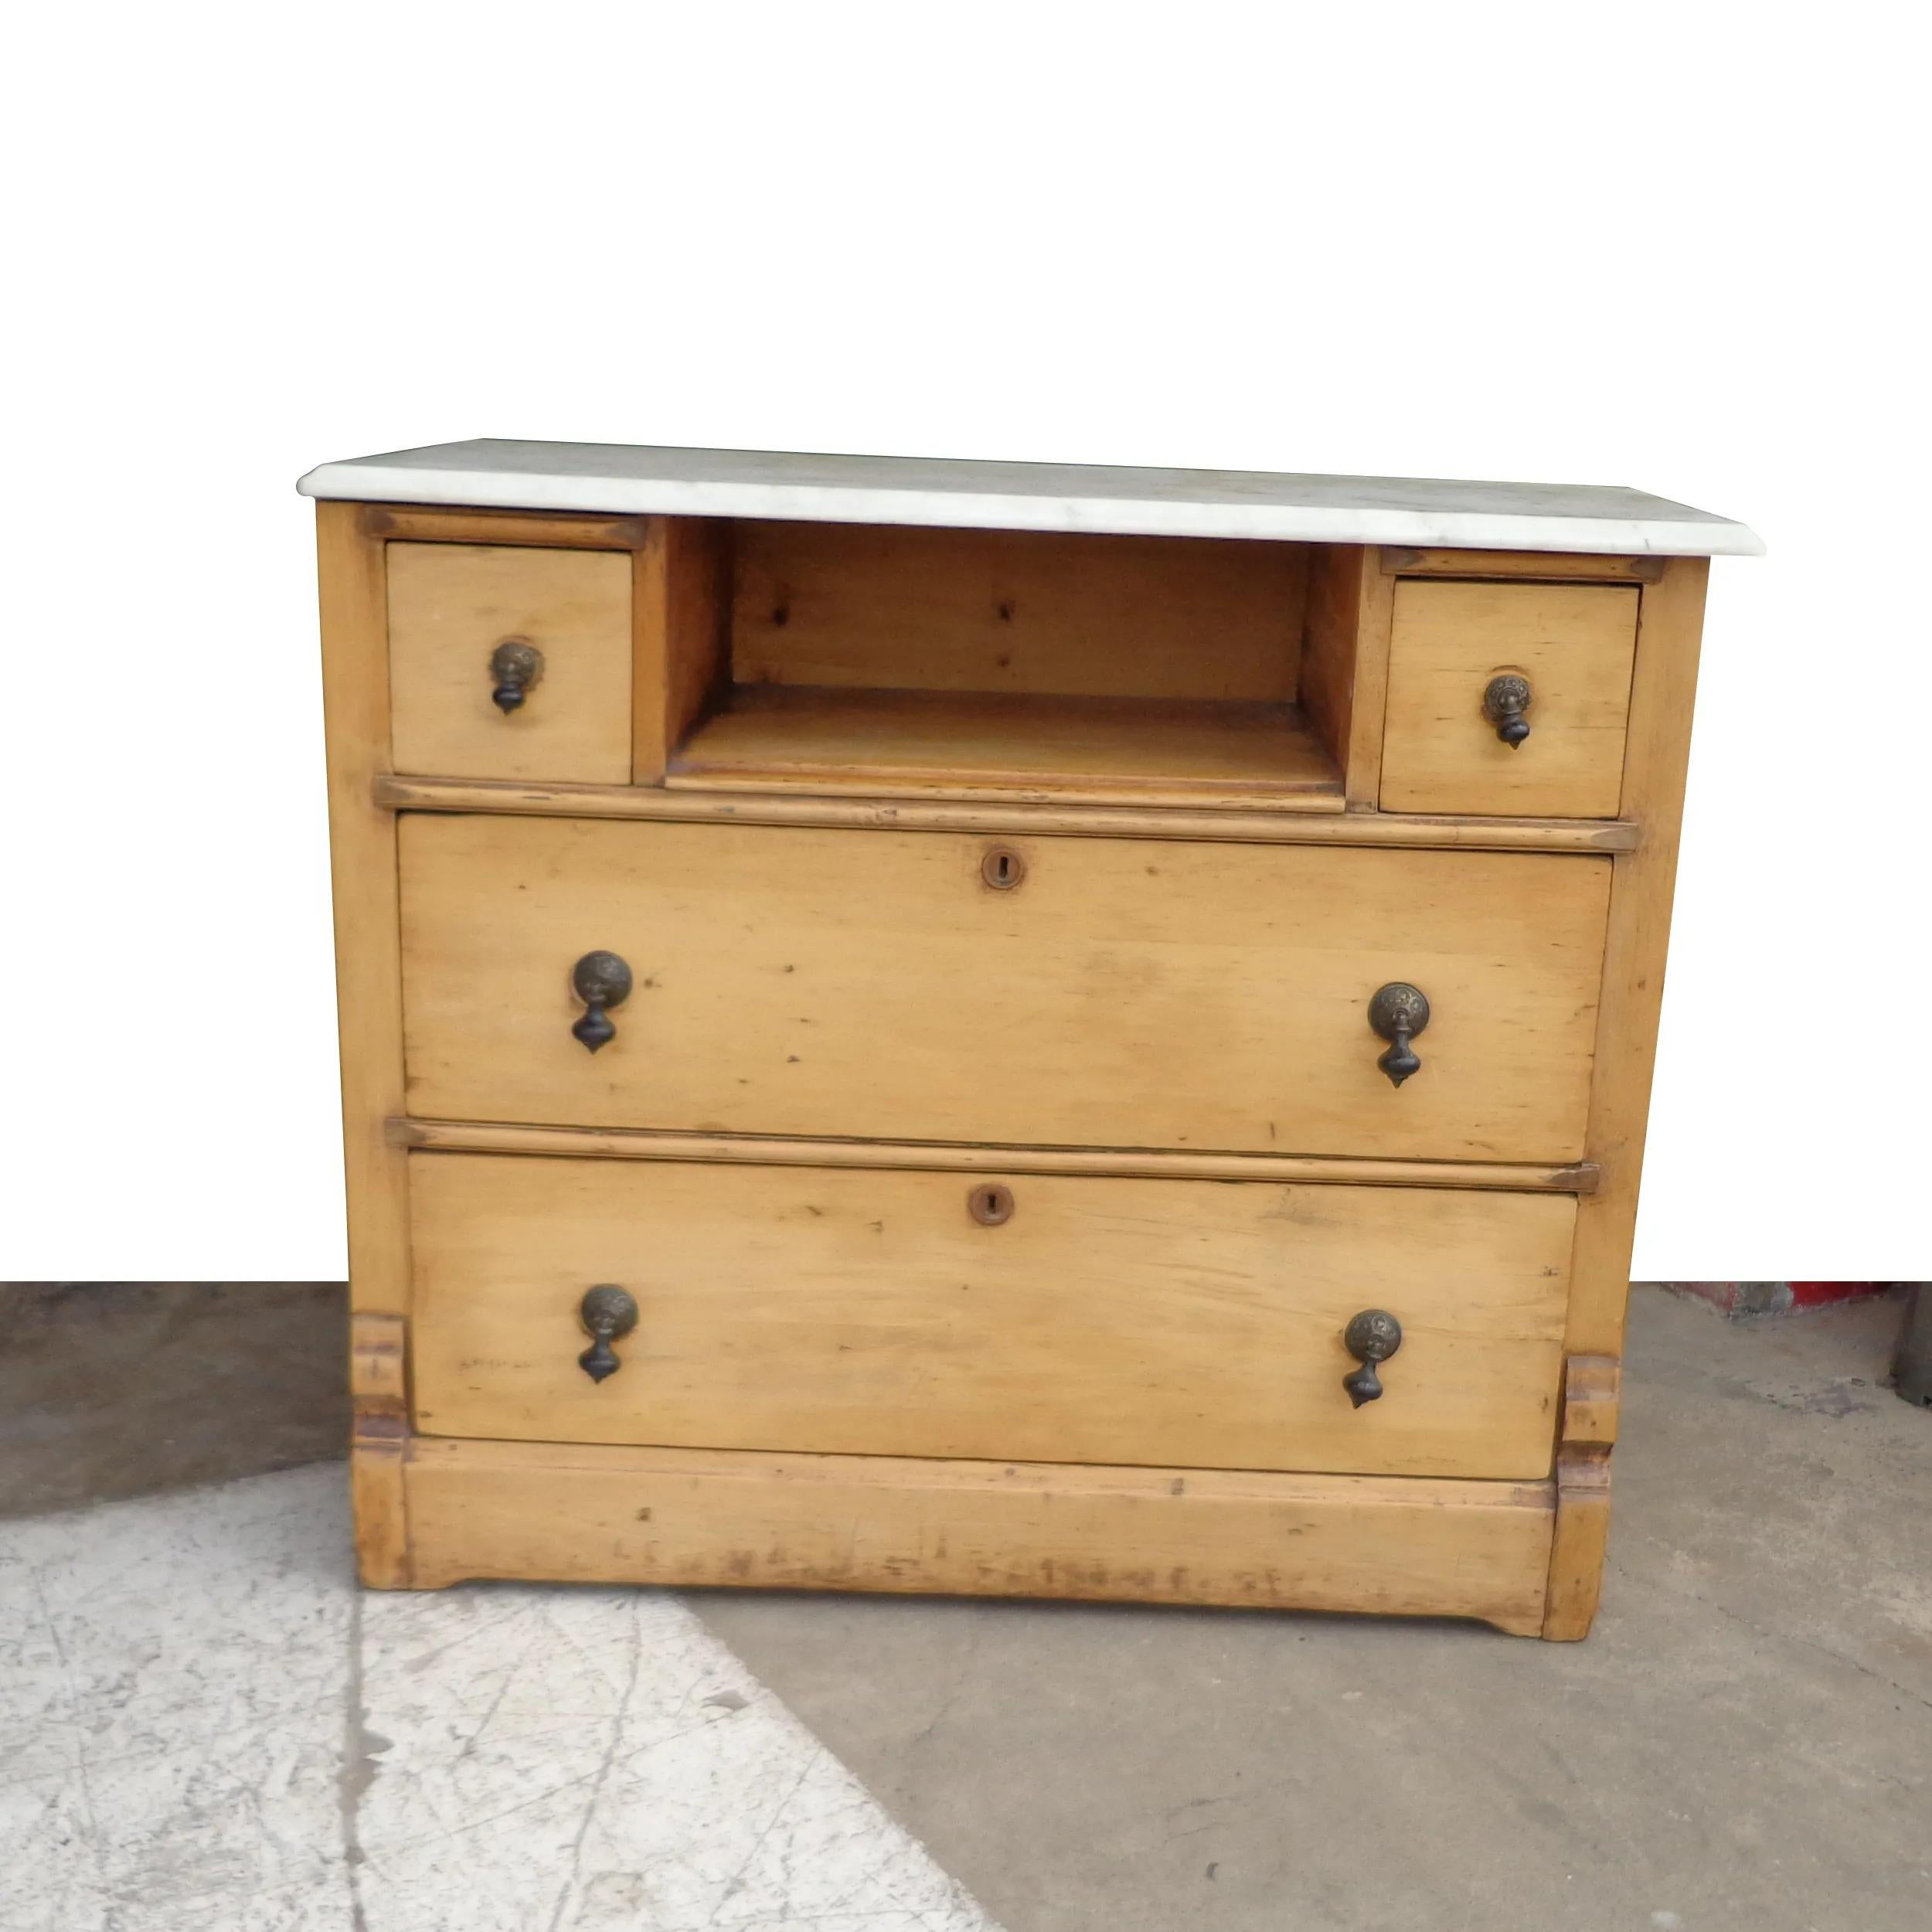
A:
[980,1028]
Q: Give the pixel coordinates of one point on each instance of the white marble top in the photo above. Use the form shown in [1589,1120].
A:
[627,480]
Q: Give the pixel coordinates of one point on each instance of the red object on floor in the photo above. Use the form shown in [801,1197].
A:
[1774,1298]
[1811,1294]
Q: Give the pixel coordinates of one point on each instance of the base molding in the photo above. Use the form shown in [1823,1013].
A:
[1402,1546]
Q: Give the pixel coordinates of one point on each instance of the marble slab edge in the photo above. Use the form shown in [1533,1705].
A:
[366,481]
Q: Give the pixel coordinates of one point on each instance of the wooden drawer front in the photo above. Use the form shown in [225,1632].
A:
[1127,993]
[1189,1322]
[451,604]
[1575,645]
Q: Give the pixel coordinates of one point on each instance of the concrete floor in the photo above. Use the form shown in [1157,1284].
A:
[1746,1740]
[204,1726]
[111,1389]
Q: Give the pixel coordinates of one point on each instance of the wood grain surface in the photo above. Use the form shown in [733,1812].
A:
[1401,1545]
[871,984]
[1108,1320]
[450,606]
[1573,642]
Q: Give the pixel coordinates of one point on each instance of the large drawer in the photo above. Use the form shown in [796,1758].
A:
[869,1312]
[873,984]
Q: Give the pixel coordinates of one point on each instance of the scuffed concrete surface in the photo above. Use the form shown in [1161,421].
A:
[171,1711]
[581,1758]
[203,1725]
[1743,1745]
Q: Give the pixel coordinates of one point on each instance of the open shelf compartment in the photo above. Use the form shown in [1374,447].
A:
[900,661]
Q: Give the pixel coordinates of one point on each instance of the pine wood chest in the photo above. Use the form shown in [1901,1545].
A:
[987,1028]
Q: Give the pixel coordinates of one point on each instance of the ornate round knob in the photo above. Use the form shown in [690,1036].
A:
[601,981]
[516,665]
[1397,1013]
[607,1314]
[1372,1336]
[1504,701]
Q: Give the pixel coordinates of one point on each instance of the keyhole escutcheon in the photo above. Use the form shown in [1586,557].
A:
[1002,867]
[990,1204]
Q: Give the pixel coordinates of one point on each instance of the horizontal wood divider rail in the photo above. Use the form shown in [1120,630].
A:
[484,1136]
[548,529]
[1522,563]
[1092,821]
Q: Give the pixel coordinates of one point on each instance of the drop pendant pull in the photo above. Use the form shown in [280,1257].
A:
[1504,701]
[601,981]
[1398,1013]
[608,1313]
[1372,1336]
[515,665]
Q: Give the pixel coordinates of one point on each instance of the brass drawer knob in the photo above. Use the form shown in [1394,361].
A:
[1372,1336]
[608,1313]
[601,981]
[1504,703]
[516,665]
[1397,1013]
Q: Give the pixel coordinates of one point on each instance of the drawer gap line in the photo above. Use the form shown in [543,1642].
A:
[638,1144]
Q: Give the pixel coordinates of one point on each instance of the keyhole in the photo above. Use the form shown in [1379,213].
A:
[991,1205]
[1002,867]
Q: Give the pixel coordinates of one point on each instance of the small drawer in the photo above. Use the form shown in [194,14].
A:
[870,1312]
[928,986]
[510,661]
[1457,738]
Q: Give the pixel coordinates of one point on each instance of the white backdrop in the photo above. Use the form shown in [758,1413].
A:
[1673,246]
